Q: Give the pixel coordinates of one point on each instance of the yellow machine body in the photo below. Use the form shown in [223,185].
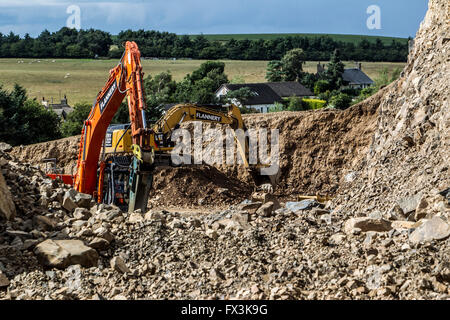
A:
[114,142]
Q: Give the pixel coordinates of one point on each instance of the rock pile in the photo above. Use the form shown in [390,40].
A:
[61,245]
[249,251]
[196,186]
[406,173]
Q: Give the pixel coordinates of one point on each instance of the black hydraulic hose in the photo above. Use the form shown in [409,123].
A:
[112,184]
[117,144]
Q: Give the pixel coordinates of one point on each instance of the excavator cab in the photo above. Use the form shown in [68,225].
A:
[118,139]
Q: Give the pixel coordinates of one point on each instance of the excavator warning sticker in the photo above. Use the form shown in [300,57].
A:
[208,116]
[104,101]
[108,140]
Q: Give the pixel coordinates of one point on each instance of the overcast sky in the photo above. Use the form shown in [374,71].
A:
[399,18]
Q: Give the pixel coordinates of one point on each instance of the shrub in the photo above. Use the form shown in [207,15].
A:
[321,86]
[277,108]
[351,91]
[325,95]
[296,104]
[340,101]
[315,103]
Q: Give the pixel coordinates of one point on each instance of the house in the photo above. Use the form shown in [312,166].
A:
[353,78]
[62,109]
[264,97]
[356,79]
[290,88]
[265,94]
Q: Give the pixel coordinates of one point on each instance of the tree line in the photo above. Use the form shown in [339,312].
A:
[65,43]
[70,43]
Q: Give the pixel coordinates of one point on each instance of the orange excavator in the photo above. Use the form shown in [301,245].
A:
[123,174]
[124,80]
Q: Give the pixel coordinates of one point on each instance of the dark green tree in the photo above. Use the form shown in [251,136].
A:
[290,68]
[296,104]
[335,70]
[74,121]
[91,43]
[160,90]
[292,64]
[275,71]
[308,80]
[25,121]
[241,95]
[200,86]
[341,101]
[321,86]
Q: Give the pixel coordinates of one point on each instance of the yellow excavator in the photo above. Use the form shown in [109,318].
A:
[116,162]
[118,147]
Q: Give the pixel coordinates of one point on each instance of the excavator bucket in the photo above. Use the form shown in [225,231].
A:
[141,179]
[265,182]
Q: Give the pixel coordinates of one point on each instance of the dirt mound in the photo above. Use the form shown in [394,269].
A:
[408,161]
[64,150]
[315,147]
[193,186]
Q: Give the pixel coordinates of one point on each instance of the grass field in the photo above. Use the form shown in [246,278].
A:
[82,79]
[268,36]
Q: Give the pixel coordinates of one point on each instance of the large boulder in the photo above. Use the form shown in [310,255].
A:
[434,229]
[7,207]
[409,204]
[83,200]
[265,210]
[119,265]
[366,224]
[135,217]
[302,205]
[265,197]
[99,243]
[4,281]
[69,200]
[63,253]
[250,207]
[5,147]
[269,197]
[82,214]
[44,223]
